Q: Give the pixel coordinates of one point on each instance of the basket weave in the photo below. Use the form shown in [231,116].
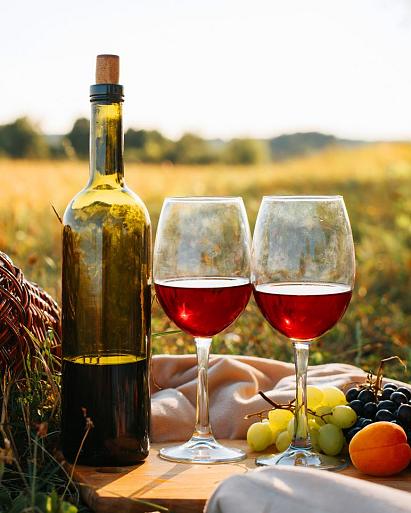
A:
[23,306]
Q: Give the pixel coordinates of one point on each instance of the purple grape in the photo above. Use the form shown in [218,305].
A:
[393,386]
[357,406]
[404,414]
[398,398]
[405,391]
[386,393]
[366,396]
[387,405]
[369,410]
[352,394]
[384,415]
[365,422]
[351,433]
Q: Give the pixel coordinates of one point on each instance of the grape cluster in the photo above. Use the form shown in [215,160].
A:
[391,404]
[329,417]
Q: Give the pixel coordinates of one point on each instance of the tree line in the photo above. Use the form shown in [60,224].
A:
[23,139]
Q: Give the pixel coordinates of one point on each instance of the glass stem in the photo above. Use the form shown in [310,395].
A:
[301,439]
[203,427]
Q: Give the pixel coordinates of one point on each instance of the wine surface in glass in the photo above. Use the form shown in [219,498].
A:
[203,307]
[302,311]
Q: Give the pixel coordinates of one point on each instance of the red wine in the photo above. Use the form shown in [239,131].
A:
[203,307]
[302,311]
[113,392]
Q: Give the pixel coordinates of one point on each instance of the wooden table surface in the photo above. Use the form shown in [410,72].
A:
[184,488]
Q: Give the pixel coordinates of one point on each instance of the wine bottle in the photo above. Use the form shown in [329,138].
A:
[106,298]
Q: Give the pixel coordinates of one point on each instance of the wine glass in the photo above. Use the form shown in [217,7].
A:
[303,269]
[202,281]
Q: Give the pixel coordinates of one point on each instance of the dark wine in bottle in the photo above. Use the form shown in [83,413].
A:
[106,298]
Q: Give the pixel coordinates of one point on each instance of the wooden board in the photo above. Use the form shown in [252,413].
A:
[183,488]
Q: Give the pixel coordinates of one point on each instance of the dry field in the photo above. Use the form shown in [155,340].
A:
[375,181]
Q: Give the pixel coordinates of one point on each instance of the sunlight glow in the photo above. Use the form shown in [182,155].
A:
[221,68]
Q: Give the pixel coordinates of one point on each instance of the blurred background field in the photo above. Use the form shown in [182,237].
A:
[375,180]
[222,97]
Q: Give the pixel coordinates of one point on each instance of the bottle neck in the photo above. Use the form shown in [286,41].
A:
[106,145]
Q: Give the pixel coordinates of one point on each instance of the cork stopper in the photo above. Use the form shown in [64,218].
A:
[107,69]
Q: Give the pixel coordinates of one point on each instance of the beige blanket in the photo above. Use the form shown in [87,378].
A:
[234,382]
[299,490]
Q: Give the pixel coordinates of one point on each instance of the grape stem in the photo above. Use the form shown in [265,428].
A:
[378,379]
[279,406]
[374,382]
[276,406]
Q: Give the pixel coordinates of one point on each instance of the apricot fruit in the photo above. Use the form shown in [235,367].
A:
[380,449]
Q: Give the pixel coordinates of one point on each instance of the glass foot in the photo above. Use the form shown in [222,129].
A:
[303,458]
[202,450]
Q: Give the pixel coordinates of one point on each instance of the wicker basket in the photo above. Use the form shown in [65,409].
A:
[24,307]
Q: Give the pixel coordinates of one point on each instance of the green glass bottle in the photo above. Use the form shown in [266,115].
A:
[106,298]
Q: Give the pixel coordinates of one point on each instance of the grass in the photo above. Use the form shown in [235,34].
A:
[375,181]
[31,478]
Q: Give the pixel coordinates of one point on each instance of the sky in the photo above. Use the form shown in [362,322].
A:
[220,68]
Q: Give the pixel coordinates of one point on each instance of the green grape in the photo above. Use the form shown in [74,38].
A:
[279,418]
[315,397]
[259,436]
[313,425]
[283,441]
[333,396]
[330,439]
[343,416]
[275,432]
[325,413]
[315,435]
